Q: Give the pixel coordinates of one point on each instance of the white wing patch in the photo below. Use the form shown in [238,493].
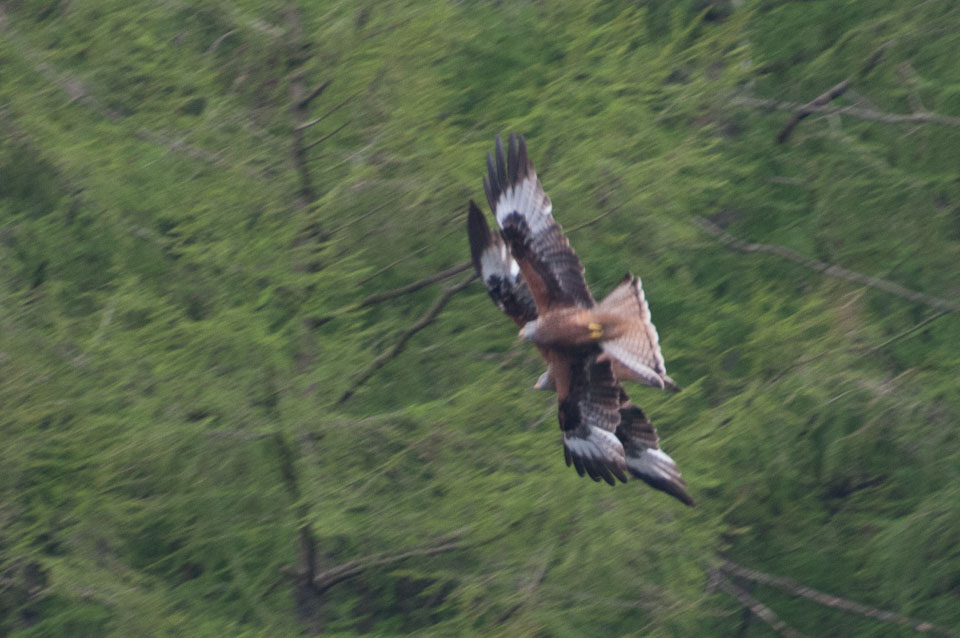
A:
[599,445]
[529,201]
[656,465]
[502,265]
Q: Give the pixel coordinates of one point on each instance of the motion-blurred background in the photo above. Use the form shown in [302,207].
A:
[245,389]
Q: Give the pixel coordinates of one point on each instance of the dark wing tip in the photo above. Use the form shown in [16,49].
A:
[524,165]
[513,160]
[675,489]
[501,162]
[488,190]
[680,494]
[479,234]
[506,167]
[491,186]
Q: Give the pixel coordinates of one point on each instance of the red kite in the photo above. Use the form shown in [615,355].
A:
[536,279]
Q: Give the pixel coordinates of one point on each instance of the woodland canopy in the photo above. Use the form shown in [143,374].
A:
[248,386]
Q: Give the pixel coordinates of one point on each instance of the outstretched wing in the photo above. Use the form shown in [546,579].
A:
[589,414]
[498,270]
[605,435]
[645,460]
[552,270]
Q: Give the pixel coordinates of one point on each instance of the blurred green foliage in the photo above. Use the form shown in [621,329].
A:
[164,307]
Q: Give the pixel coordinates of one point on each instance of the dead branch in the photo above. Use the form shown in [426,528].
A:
[326,137]
[219,41]
[305,125]
[909,77]
[908,331]
[436,242]
[527,592]
[298,110]
[827,269]
[386,29]
[593,221]
[317,92]
[255,24]
[359,218]
[758,609]
[415,286]
[852,111]
[75,89]
[803,112]
[829,95]
[308,600]
[180,146]
[235,435]
[425,320]
[340,573]
[393,264]
[327,579]
[798,590]
[379,297]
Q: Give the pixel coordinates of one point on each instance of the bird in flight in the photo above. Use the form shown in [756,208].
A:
[535,278]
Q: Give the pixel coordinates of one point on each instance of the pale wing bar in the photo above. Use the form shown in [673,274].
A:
[498,270]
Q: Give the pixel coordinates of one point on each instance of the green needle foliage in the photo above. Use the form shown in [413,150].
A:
[192,396]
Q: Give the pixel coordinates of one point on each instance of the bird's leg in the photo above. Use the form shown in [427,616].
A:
[596,330]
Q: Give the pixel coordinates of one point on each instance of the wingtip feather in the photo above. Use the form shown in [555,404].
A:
[479,234]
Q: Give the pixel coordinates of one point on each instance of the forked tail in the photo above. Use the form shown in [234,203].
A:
[636,353]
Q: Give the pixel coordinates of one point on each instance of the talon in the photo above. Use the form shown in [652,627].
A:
[596,330]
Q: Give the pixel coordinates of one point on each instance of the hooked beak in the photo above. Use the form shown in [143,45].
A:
[527,331]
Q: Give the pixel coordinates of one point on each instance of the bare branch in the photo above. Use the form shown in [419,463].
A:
[798,590]
[425,320]
[218,41]
[379,297]
[436,241]
[758,609]
[325,137]
[298,86]
[827,269]
[908,331]
[237,435]
[415,286]
[829,95]
[317,92]
[593,221]
[852,111]
[359,218]
[909,77]
[804,111]
[527,592]
[305,125]
[189,150]
[340,573]
[394,263]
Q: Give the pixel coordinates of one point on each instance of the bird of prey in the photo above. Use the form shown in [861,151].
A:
[535,278]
